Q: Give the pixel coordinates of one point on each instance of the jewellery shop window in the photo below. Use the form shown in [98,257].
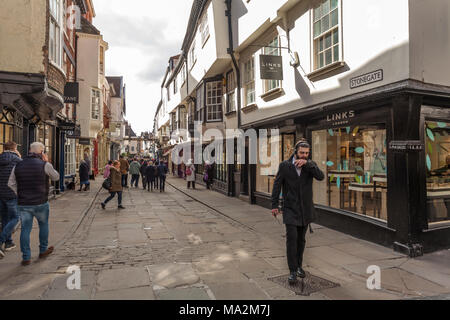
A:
[11,126]
[353,160]
[266,173]
[437,143]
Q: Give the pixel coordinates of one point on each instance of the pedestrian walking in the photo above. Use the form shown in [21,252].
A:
[150,176]
[135,171]
[156,176]
[87,159]
[143,174]
[8,199]
[124,168]
[116,186]
[30,181]
[295,178]
[209,174]
[190,174]
[84,175]
[162,172]
[107,169]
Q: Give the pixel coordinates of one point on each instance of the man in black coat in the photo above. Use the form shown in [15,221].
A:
[150,176]
[295,178]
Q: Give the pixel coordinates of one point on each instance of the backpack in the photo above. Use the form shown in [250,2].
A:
[107,184]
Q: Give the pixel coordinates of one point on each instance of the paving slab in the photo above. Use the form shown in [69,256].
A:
[122,278]
[139,293]
[237,291]
[183,294]
[172,275]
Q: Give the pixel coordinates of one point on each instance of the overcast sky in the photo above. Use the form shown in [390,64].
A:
[142,35]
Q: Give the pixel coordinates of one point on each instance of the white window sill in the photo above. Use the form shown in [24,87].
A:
[249,108]
[272,94]
[325,70]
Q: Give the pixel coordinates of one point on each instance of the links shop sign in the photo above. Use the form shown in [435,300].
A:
[340,118]
[271,67]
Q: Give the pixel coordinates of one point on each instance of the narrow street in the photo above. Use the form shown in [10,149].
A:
[171,246]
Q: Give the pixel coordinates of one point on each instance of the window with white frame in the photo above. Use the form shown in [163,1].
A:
[102,60]
[199,105]
[168,93]
[249,81]
[204,28]
[55,32]
[95,104]
[183,118]
[183,74]
[192,55]
[175,85]
[70,167]
[326,33]
[214,100]
[272,49]
[231,92]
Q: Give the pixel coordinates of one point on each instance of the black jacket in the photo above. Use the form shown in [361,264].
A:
[8,161]
[150,173]
[162,170]
[84,171]
[298,207]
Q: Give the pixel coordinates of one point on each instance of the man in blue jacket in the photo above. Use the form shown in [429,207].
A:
[162,172]
[8,199]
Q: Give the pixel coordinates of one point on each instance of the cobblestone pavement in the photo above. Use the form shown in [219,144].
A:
[171,246]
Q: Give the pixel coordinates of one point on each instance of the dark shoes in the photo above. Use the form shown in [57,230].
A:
[121,207]
[9,246]
[26,262]
[292,278]
[301,273]
[45,254]
[103,205]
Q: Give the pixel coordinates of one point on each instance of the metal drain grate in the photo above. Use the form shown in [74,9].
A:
[306,286]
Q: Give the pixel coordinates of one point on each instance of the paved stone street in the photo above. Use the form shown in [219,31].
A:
[196,245]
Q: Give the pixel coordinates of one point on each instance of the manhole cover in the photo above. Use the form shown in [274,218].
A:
[306,286]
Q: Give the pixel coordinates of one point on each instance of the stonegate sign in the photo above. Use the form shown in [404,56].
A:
[366,79]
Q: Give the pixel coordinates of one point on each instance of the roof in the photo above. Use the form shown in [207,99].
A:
[196,11]
[87,27]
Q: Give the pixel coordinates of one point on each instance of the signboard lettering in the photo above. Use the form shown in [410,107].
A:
[271,67]
[406,146]
[366,79]
[71,92]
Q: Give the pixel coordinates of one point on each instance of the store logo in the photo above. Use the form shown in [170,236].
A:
[341,118]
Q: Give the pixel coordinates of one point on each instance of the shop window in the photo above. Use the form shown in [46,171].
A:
[220,172]
[326,33]
[437,159]
[214,100]
[249,81]
[45,135]
[265,174]
[354,161]
[70,158]
[272,49]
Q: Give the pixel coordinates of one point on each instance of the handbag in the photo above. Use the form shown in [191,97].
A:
[188,171]
[107,183]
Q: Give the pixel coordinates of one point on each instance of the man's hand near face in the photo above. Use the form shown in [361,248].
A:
[44,157]
[300,163]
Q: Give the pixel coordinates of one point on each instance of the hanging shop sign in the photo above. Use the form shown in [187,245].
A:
[84,141]
[406,146]
[75,133]
[71,92]
[271,67]
[366,79]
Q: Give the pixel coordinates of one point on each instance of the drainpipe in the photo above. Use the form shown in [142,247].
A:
[230,51]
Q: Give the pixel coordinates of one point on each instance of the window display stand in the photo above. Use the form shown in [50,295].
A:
[345,176]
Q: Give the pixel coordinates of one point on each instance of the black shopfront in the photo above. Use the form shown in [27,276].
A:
[386,159]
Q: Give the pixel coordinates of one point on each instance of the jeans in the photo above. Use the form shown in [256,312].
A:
[124,180]
[112,195]
[135,180]
[10,219]
[295,245]
[27,213]
[162,183]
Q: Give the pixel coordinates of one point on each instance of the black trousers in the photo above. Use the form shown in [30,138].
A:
[189,184]
[162,183]
[295,245]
